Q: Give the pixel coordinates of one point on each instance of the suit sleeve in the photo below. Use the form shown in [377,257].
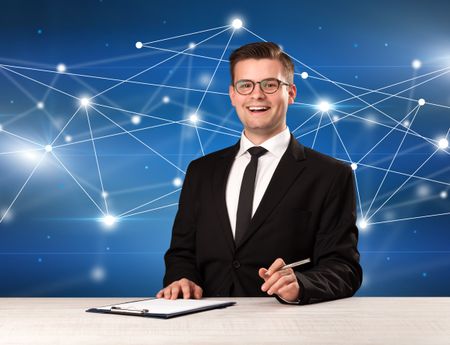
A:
[336,272]
[180,258]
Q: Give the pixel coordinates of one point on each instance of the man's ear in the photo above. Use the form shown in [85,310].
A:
[292,93]
[232,94]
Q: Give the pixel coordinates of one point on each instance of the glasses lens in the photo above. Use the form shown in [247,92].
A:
[270,85]
[244,87]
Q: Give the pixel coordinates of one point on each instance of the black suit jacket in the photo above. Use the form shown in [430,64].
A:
[307,211]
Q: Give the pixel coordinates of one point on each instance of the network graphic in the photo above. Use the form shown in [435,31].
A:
[121,141]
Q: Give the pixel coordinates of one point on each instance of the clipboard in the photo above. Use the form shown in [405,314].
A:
[161,308]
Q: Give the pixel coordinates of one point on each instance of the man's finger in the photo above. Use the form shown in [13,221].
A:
[198,291]
[185,287]
[283,281]
[276,265]
[175,291]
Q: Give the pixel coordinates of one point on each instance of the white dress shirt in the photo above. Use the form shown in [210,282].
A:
[267,163]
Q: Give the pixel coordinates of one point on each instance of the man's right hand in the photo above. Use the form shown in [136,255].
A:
[181,288]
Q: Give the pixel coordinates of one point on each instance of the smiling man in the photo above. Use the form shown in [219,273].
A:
[249,209]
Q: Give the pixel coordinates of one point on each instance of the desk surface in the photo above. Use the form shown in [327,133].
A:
[356,320]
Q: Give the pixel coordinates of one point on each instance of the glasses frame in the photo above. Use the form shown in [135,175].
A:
[280,82]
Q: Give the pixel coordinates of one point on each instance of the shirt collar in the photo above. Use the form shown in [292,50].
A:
[276,145]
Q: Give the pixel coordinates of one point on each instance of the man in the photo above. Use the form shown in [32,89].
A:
[249,209]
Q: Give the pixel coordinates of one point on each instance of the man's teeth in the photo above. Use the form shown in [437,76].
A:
[258,108]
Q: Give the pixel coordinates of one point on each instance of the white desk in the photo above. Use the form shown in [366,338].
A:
[398,321]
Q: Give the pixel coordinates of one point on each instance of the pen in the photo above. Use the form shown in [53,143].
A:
[295,264]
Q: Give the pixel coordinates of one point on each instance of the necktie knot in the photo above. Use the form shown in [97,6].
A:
[257,151]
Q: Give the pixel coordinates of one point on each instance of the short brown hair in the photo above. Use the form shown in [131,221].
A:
[262,50]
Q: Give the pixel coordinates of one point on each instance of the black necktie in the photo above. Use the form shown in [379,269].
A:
[245,204]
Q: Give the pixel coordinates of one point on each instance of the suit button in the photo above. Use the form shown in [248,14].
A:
[236,264]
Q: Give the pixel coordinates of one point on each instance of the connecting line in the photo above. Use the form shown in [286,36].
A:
[188,34]
[115,134]
[38,82]
[150,202]
[150,105]
[79,185]
[181,122]
[392,161]
[188,54]
[411,218]
[317,130]
[96,161]
[151,210]
[392,129]
[23,186]
[340,139]
[395,192]
[405,174]
[370,91]
[359,195]
[209,85]
[117,80]
[21,151]
[215,125]
[139,140]
[309,118]
[21,138]
[65,126]
[159,63]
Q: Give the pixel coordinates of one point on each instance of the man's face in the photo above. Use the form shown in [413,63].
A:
[263,115]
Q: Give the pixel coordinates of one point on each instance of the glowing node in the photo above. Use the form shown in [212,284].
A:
[443,194]
[68,138]
[443,143]
[192,45]
[139,45]
[363,224]
[406,123]
[85,101]
[48,148]
[40,105]
[416,64]
[98,274]
[324,106]
[304,75]
[193,118]
[421,102]
[177,182]
[61,68]
[336,118]
[104,195]
[135,120]
[166,99]
[237,23]
[354,166]
[109,220]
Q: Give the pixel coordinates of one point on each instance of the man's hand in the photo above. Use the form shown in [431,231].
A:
[181,288]
[281,282]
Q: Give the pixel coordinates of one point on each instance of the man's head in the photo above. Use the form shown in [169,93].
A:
[262,50]
[262,87]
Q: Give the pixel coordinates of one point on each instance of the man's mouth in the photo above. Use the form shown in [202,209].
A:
[258,109]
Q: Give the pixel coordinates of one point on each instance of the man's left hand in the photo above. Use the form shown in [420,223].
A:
[281,282]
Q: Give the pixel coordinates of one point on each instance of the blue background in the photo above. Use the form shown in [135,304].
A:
[52,241]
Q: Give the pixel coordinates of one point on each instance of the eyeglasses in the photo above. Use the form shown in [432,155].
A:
[268,86]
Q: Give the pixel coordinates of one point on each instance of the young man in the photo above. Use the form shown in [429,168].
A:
[249,209]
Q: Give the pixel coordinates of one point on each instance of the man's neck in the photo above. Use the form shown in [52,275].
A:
[258,139]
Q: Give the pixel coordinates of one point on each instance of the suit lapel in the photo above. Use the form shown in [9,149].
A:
[221,171]
[289,168]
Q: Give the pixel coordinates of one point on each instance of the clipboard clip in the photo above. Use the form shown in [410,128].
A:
[142,311]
